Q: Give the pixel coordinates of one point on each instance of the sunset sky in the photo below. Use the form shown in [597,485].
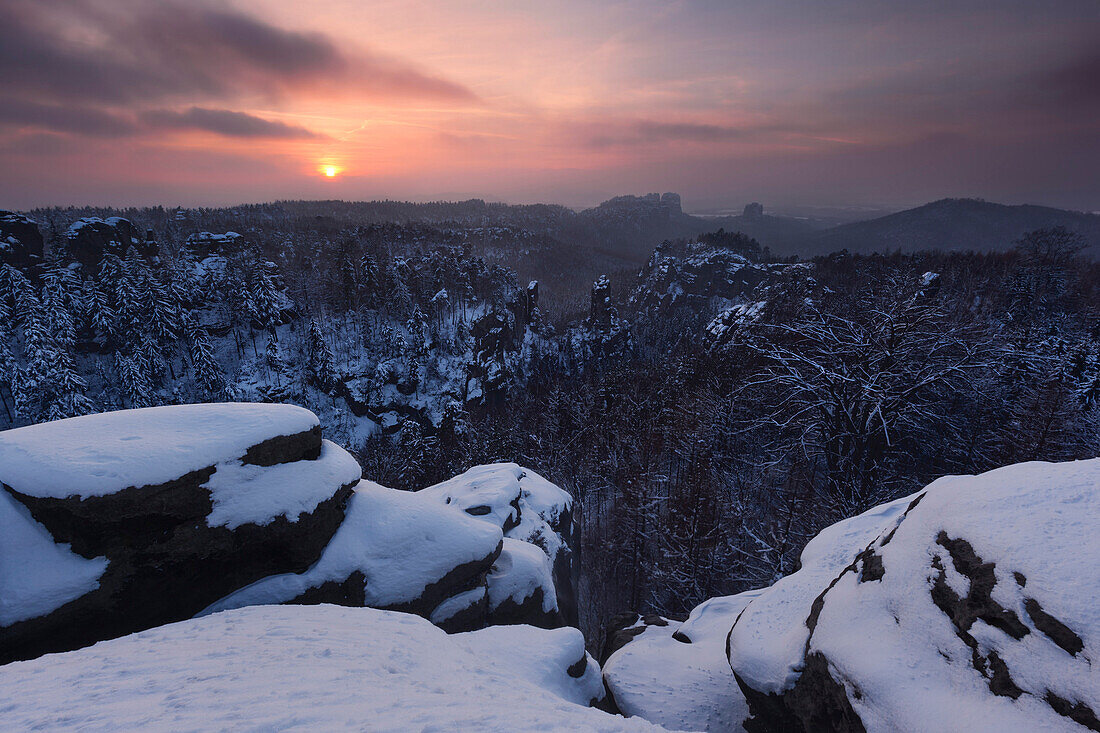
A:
[846,102]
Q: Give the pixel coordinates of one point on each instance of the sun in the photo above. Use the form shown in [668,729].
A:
[330,171]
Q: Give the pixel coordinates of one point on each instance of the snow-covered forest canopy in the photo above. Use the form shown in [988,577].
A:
[710,410]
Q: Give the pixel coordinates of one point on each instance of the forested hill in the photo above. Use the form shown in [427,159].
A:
[952,225]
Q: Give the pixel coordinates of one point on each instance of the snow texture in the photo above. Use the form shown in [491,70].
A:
[38,575]
[401,541]
[101,454]
[244,493]
[311,668]
[680,685]
[915,673]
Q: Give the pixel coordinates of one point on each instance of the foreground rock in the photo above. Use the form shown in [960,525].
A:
[486,547]
[314,668]
[532,580]
[970,605]
[122,521]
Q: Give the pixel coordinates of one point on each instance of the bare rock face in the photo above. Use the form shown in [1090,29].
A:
[20,241]
[123,539]
[970,605]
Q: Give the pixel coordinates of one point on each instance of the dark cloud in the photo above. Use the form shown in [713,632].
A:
[224,122]
[75,119]
[137,52]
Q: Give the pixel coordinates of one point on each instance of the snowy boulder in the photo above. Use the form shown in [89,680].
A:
[209,243]
[676,674]
[968,606]
[117,522]
[395,550]
[314,668]
[486,547]
[20,241]
[528,509]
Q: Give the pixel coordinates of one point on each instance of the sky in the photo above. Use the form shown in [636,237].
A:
[789,102]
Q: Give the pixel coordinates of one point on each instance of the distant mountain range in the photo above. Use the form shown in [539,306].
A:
[630,226]
[950,225]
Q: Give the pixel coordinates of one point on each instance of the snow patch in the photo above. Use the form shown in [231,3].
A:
[244,493]
[38,575]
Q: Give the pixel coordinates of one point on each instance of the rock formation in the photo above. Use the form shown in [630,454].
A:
[118,522]
[122,521]
[20,241]
[967,606]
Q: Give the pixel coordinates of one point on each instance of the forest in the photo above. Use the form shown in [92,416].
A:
[710,410]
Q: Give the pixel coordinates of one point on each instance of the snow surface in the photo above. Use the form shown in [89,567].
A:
[402,542]
[310,668]
[521,569]
[101,454]
[769,638]
[914,672]
[681,685]
[37,575]
[244,493]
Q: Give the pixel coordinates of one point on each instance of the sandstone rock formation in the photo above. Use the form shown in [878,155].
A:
[967,606]
[20,241]
[122,521]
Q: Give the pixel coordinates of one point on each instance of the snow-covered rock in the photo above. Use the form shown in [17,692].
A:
[21,242]
[121,521]
[102,454]
[396,550]
[529,509]
[968,606]
[486,547]
[314,668]
[520,587]
[90,238]
[677,674]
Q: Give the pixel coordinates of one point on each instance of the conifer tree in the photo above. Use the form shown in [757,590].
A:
[319,358]
[207,372]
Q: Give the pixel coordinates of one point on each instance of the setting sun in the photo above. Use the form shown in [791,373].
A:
[330,171]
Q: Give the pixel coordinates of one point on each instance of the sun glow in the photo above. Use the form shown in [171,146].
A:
[330,171]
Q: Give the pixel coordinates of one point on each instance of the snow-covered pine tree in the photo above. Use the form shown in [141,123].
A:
[99,311]
[319,358]
[139,391]
[273,359]
[206,371]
